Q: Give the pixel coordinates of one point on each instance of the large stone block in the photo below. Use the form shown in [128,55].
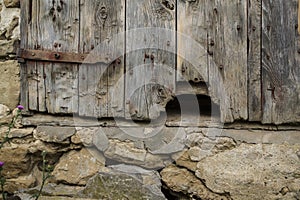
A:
[124,182]
[10,83]
[76,167]
[54,134]
[254,172]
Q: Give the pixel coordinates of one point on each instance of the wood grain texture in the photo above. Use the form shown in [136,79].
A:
[150,59]
[281,61]
[54,26]
[254,60]
[101,86]
[228,57]
[25,20]
[192,27]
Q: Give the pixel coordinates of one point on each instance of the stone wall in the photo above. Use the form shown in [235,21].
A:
[95,159]
[9,40]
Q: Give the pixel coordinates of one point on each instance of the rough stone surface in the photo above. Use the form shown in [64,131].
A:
[11,3]
[54,134]
[181,180]
[124,182]
[15,133]
[22,182]
[126,152]
[76,167]
[4,111]
[9,24]
[10,83]
[254,172]
[17,161]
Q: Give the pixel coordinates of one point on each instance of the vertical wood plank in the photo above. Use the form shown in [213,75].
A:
[101,86]
[57,25]
[281,61]
[192,25]
[254,60]
[150,59]
[25,20]
[228,57]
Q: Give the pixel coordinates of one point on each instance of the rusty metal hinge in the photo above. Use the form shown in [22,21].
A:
[62,57]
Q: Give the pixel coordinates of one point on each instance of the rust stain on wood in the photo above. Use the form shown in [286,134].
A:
[61,57]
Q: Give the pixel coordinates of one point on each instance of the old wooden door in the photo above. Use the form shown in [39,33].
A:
[126,58]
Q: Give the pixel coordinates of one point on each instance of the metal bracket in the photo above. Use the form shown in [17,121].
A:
[61,57]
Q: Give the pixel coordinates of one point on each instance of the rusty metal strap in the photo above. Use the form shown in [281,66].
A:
[61,57]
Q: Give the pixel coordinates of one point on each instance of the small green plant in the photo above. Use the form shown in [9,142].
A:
[47,170]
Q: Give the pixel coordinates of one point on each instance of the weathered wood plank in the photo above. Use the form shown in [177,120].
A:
[100,95]
[254,60]
[227,34]
[192,31]
[150,61]
[25,20]
[281,61]
[57,25]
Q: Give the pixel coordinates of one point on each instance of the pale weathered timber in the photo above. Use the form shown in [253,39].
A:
[228,57]
[192,41]
[254,60]
[25,20]
[57,25]
[281,61]
[150,60]
[101,86]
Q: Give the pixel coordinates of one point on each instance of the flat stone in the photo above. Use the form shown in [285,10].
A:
[126,152]
[76,167]
[54,134]
[124,182]
[167,141]
[183,160]
[10,82]
[12,3]
[182,181]
[15,133]
[21,182]
[257,171]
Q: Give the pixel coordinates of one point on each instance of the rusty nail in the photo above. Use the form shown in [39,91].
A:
[253,28]
[57,56]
